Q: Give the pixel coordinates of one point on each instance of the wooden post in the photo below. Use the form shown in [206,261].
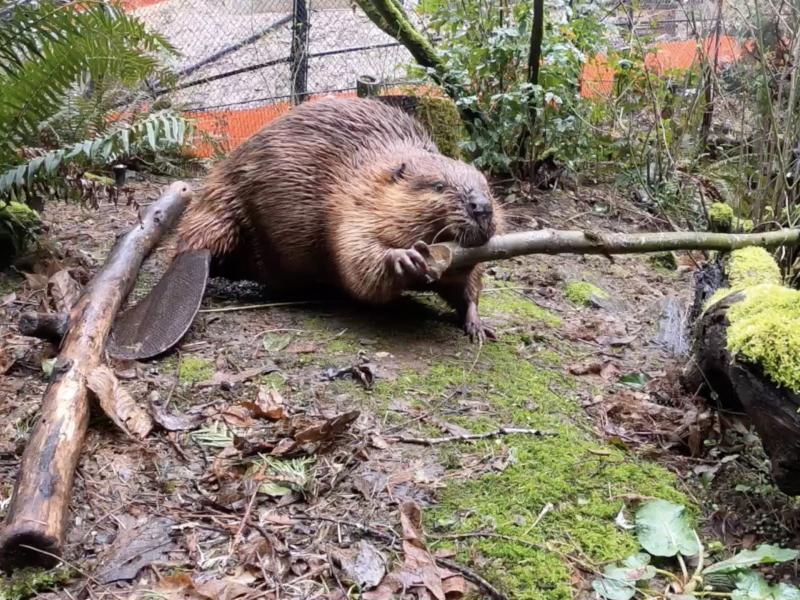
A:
[33,533]
[367,86]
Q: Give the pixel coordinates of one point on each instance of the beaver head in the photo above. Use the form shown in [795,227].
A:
[453,197]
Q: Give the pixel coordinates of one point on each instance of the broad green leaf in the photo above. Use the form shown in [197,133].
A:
[753,586]
[784,591]
[765,554]
[638,566]
[614,589]
[663,529]
[619,582]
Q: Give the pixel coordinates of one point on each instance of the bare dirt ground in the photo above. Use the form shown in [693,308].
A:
[260,481]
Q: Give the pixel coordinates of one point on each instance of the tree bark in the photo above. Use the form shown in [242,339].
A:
[549,241]
[33,533]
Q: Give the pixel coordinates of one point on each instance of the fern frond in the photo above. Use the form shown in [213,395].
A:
[161,132]
[46,48]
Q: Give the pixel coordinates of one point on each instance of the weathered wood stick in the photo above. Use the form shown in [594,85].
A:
[46,326]
[36,517]
[550,241]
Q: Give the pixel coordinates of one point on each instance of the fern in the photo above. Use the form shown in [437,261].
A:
[47,48]
[161,132]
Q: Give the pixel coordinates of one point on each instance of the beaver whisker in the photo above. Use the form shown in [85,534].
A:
[442,230]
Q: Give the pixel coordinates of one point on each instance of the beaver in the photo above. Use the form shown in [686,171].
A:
[345,193]
[337,193]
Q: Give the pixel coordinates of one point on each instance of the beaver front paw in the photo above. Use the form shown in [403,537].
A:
[411,264]
[478,332]
[474,327]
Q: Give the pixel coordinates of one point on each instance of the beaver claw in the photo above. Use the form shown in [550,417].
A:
[411,264]
[474,327]
[478,332]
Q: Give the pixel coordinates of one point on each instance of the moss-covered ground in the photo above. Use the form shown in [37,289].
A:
[553,503]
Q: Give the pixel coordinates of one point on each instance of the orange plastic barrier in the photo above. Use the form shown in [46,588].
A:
[597,77]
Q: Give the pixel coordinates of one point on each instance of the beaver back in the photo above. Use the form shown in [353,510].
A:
[265,211]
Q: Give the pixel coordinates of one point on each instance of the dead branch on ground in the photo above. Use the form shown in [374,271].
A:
[33,532]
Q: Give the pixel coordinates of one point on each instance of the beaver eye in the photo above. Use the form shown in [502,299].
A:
[438,187]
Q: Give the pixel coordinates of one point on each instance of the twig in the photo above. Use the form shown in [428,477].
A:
[491,591]
[255,306]
[470,437]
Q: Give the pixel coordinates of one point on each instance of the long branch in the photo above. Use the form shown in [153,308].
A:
[549,241]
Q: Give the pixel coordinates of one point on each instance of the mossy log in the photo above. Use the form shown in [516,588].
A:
[745,356]
[33,532]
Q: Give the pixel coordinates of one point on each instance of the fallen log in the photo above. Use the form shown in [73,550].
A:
[33,532]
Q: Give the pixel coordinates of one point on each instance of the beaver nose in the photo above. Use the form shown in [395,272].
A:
[479,207]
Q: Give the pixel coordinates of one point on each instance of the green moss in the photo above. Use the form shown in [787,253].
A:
[580,479]
[508,302]
[747,225]
[28,583]
[752,266]
[194,369]
[747,267]
[765,330]
[581,292]
[720,216]
[440,116]
[664,260]
[19,225]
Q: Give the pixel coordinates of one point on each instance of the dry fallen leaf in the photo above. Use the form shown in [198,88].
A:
[268,405]
[169,421]
[228,380]
[362,565]
[63,290]
[237,416]
[301,347]
[138,544]
[592,367]
[419,569]
[610,372]
[7,360]
[118,403]
[183,587]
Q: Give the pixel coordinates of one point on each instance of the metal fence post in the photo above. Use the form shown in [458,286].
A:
[299,53]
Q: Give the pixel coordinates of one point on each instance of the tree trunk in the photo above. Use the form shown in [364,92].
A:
[33,533]
[391,17]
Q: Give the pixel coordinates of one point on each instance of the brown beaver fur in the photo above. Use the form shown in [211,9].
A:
[343,192]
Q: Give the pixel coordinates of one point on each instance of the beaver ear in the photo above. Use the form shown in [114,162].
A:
[398,173]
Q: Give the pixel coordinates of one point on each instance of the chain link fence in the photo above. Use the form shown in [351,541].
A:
[244,62]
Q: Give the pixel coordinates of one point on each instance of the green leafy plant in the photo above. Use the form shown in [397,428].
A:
[19,225]
[159,133]
[485,49]
[664,531]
